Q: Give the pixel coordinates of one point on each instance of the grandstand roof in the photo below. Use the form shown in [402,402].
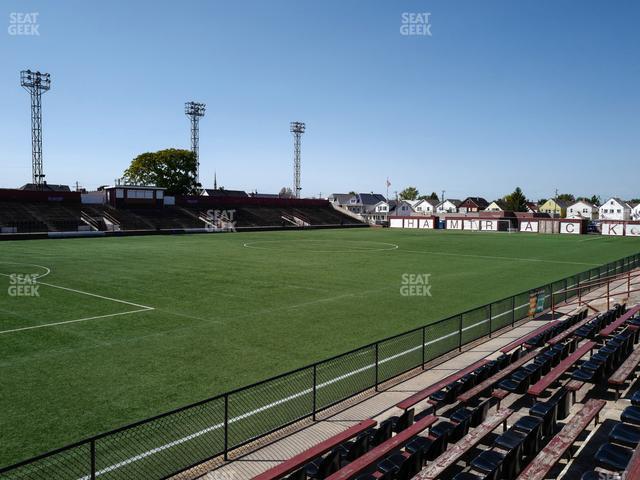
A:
[220,192]
[47,187]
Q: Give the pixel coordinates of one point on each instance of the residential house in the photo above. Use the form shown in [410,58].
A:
[496,206]
[582,209]
[615,209]
[635,210]
[426,206]
[376,214]
[532,207]
[401,208]
[473,204]
[555,208]
[448,206]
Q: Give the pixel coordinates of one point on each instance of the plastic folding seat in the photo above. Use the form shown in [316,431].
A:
[635,398]
[447,395]
[516,384]
[453,431]
[516,355]
[461,415]
[410,467]
[403,421]
[593,476]
[382,434]
[349,451]
[532,427]
[605,358]
[631,415]
[562,349]
[544,363]
[502,361]
[548,411]
[420,444]
[513,442]
[625,435]
[392,463]
[488,461]
[613,457]
[563,401]
[534,371]
[324,466]
[480,413]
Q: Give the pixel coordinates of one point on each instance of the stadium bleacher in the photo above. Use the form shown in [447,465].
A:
[449,430]
[25,216]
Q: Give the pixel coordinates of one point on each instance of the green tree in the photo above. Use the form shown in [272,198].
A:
[286,192]
[593,200]
[172,169]
[542,201]
[567,197]
[516,201]
[409,193]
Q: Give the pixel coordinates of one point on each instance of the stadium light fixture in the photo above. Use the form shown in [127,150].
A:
[36,83]
[297,128]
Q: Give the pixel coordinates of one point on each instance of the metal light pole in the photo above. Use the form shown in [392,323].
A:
[36,83]
[194,111]
[297,128]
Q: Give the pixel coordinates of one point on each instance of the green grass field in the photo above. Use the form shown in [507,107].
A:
[125,328]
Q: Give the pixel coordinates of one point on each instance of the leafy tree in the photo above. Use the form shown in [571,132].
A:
[409,193]
[634,200]
[542,201]
[286,192]
[593,200]
[567,197]
[352,193]
[173,169]
[516,201]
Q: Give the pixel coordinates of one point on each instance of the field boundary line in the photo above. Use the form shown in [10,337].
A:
[33,327]
[89,294]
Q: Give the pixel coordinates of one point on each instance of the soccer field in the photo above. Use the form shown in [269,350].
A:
[120,329]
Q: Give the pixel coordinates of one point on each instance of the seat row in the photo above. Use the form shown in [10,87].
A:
[605,361]
[556,329]
[623,439]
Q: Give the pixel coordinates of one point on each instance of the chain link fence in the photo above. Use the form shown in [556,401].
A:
[168,444]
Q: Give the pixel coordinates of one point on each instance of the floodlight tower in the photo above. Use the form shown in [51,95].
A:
[194,111]
[297,128]
[36,83]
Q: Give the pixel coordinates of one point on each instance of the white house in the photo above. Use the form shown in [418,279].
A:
[376,213]
[635,211]
[496,206]
[615,209]
[448,206]
[582,209]
[425,206]
[402,208]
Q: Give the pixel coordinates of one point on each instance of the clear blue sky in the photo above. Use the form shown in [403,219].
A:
[540,94]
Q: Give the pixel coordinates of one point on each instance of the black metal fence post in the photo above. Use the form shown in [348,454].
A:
[315,390]
[377,363]
[92,446]
[226,427]
[490,319]
[424,345]
[513,311]
[460,334]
